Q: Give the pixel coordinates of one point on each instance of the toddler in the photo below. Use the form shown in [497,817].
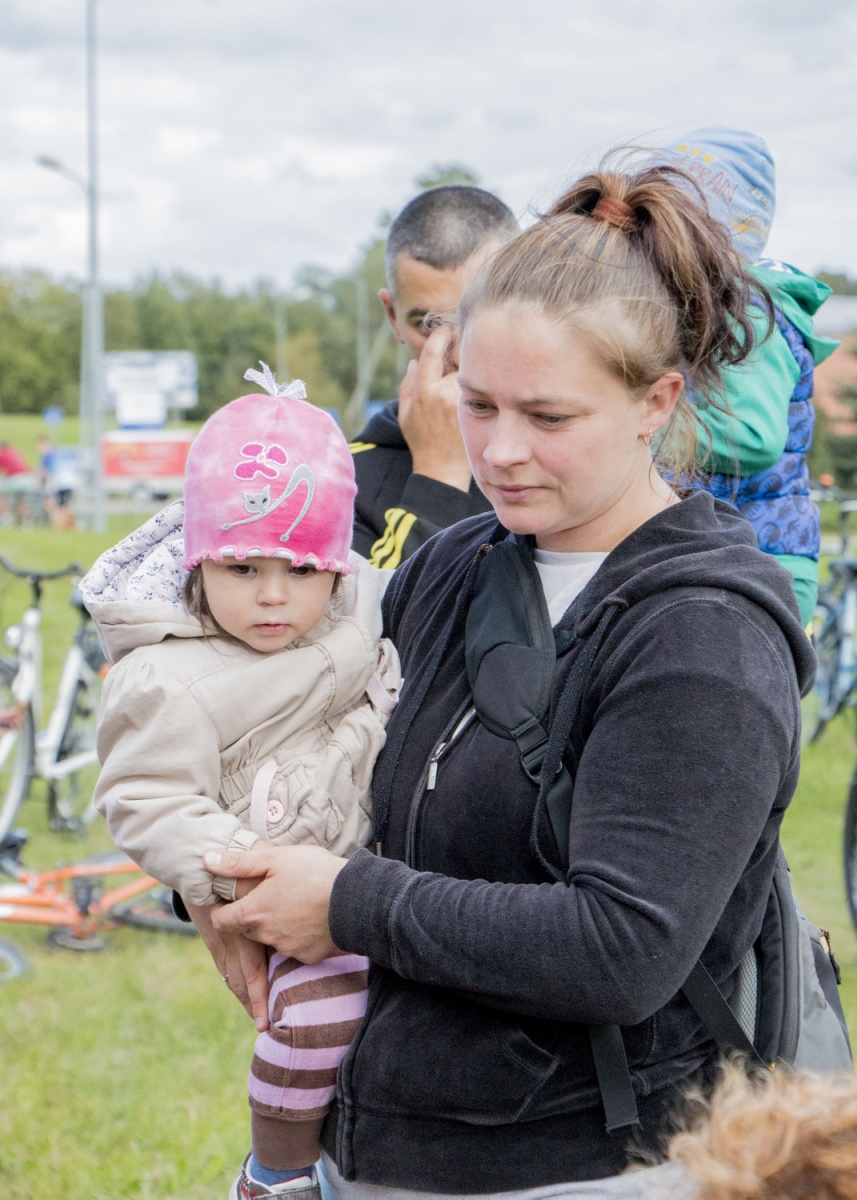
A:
[248,700]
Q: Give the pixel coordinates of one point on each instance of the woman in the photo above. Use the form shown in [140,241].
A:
[497,940]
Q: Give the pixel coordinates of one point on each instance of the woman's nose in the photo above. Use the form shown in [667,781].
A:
[507,444]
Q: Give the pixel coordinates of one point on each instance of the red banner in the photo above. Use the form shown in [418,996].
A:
[135,455]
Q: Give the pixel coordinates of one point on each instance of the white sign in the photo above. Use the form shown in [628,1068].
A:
[142,385]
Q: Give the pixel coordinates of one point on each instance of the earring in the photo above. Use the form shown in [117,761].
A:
[647,439]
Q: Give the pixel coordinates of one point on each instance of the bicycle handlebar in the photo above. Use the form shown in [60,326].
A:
[72,569]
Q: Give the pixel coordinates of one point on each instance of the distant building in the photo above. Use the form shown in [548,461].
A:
[836,387]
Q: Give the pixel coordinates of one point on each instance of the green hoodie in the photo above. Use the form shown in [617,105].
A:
[753,436]
[758,392]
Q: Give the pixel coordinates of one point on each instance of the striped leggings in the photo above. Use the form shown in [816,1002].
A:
[314,1013]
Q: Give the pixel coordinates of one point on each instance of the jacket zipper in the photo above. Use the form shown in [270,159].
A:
[428,779]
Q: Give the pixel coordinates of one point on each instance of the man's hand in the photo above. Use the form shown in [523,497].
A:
[288,907]
[428,416]
[241,962]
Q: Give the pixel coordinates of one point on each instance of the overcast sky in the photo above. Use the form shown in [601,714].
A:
[243,138]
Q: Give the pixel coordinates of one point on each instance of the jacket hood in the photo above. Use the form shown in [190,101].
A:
[799,297]
[383,429]
[134,590]
[698,543]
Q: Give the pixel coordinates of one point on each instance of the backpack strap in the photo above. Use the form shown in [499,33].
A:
[712,1008]
[614,1078]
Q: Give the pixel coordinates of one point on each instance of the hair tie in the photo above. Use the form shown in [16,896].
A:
[616,212]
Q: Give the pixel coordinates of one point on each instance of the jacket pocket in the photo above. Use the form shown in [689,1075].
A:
[426,1052]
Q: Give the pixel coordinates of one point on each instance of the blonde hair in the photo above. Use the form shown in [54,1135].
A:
[634,264]
[782,1135]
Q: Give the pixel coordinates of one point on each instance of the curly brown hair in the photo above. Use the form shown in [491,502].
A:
[782,1136]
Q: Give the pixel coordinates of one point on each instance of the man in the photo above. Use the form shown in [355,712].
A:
[413,478]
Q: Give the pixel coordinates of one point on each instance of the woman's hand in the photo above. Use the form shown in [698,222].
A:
[288,907]
[241,962]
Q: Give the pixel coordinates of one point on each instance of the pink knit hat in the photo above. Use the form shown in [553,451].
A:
[270,476]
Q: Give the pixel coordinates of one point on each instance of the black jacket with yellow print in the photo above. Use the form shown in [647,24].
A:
[397,511]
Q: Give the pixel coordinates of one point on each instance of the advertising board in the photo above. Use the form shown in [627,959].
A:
[153,458]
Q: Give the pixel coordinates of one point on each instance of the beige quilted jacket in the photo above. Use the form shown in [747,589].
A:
[189,724]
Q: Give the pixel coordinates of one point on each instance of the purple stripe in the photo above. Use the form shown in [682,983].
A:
[350,1007]
[277,1097]
[345,964]
[297,1059]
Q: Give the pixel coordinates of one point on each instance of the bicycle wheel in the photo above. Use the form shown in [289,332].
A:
[849,850]
[13,962]
[153,910]
[822,703]
[70,807]
[17,751]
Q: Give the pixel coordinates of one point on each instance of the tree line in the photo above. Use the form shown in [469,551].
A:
[228,331]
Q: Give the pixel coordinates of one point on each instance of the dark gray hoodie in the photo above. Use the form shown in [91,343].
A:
[472,1071]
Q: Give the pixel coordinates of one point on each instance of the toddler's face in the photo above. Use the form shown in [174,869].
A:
[266,602]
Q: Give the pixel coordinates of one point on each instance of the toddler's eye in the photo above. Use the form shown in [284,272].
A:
[241,569]
[302,572]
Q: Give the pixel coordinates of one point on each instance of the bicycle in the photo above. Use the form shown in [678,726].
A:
[62,751]
[13,962]
[834,637]
[72,902]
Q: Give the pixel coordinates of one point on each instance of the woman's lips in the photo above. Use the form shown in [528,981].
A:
[515,491]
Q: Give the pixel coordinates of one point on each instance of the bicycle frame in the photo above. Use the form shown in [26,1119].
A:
[25,639]
[48,741]
[39,898]
[847,624]
[48,761]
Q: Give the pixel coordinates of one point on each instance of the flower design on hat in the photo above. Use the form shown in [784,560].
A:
[261,460]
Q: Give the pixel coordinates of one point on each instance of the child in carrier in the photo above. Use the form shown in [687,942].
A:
[248,700]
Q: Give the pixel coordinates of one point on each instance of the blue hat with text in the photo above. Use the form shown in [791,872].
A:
[735,171]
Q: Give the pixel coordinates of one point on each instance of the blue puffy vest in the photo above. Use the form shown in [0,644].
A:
[776,501]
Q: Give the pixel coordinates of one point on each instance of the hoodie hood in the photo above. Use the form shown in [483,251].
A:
[383,429]
[799,297]
[698,543]
[134,590]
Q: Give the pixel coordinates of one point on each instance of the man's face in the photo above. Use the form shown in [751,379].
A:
[421,289]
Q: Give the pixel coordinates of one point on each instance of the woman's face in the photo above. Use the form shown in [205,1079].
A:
[554,440]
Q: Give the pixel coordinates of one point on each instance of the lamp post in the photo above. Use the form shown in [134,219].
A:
[362,290]
[92,338]
[281,330]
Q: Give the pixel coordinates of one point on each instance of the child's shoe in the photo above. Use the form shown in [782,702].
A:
[304,1187]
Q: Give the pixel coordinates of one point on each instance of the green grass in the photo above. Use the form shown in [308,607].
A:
[123,1072]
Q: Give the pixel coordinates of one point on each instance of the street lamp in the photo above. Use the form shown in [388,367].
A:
[281,330]
[92,338]
[362,289]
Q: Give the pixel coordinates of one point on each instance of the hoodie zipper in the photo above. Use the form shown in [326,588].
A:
[428,779]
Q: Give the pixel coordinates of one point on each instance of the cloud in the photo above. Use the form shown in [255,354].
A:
[245,137]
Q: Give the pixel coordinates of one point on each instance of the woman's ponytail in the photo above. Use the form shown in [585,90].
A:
[666,214]
[635,263]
